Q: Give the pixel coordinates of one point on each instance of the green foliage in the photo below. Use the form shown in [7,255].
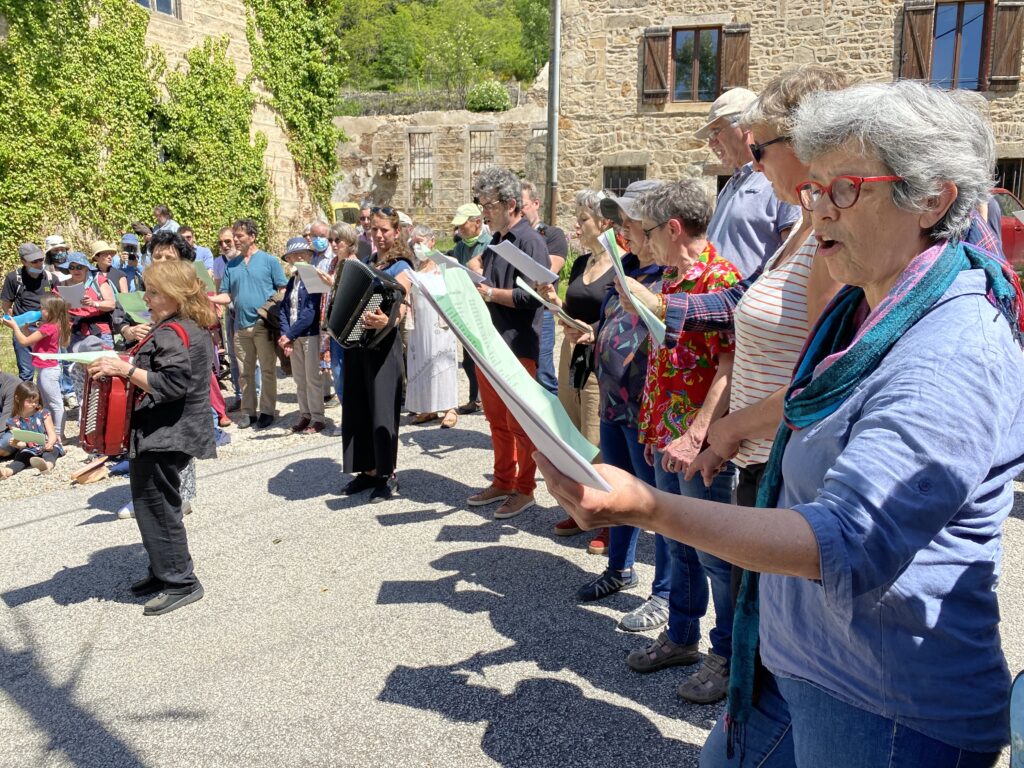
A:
[449,44]
[488,96]
[297,57]
[84,130]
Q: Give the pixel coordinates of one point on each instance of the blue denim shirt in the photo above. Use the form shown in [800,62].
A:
[906,487]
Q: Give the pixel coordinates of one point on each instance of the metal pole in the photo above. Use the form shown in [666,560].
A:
[552,143]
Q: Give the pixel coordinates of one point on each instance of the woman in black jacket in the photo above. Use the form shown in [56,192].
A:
[170,425]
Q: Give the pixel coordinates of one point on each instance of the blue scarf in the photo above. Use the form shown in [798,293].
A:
[839,354]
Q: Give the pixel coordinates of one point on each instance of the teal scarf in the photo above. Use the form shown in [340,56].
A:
[838,355]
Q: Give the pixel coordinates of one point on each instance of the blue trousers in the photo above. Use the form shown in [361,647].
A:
[621,447]
[546,362]
[337,366]
[23,356]
[688,600]
[798,725]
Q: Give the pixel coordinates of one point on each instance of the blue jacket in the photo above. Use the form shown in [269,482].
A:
[307,320]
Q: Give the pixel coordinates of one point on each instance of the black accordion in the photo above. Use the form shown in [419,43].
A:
[358,289]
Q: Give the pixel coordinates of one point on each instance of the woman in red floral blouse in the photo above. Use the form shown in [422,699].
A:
[687,388]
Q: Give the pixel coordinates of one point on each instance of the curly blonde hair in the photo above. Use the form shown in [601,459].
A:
[178,281]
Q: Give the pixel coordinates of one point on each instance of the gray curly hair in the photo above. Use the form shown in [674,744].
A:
[925,135]
[500,183]
[589,200]
[684,200]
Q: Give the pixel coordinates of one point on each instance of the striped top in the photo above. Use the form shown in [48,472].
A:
[771,327]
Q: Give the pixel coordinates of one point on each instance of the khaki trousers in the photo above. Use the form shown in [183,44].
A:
[582,405]
[253,345]
[309,387]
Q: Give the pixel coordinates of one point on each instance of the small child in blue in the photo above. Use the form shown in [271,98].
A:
[28,413]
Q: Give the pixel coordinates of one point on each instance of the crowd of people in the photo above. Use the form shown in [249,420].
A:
[792,443]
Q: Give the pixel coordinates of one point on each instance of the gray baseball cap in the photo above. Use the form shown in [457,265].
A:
[30,252]
[614,207]
[732,103]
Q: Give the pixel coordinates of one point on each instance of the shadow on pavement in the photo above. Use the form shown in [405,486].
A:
[305,479]
[436,442]
[106,576]
[541,722]
[530,598]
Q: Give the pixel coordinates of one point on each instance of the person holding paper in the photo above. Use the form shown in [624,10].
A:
[29,415]
[517,317]
[469,223]
[589,282]
[687,389]
[300,340]
[91,314]
[170,426]
[373,379]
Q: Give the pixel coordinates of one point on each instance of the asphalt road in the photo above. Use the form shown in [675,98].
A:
[418,632]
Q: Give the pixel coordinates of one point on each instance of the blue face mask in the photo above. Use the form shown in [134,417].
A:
[320,244]
[34,271]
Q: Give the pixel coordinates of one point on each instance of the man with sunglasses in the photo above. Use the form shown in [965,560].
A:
[366,249]
[749,223]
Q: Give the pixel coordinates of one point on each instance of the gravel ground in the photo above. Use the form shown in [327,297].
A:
[418,632]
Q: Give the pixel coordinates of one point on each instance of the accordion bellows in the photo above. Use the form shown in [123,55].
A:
[359,289]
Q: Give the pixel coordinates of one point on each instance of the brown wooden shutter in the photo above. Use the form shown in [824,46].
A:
[654,75]
[1007,40]
[918,36]
[735,56]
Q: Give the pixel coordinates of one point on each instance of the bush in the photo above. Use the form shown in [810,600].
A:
[488,96]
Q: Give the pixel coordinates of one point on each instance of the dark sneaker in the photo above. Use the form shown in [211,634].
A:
[315,428]
[708,684]
[385,491]
[246,422]
[235,406]
[301,424]
[471,407]
[360,482]
[608,583]
[147,586]
[662,653]
[172,600]
[264,420]
[650,615]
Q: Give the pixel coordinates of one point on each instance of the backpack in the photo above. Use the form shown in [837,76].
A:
[20,284]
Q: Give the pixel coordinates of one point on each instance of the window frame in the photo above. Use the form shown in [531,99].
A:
[151,6]
[984,54]
[628,173]
[695,66]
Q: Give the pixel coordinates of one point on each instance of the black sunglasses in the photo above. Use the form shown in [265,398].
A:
[757,150]
[386,210]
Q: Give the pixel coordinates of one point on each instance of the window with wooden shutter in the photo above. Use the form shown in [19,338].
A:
[1007,41]
[735,56]
[918,34]
[654,78]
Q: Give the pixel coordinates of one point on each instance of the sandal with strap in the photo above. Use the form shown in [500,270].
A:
[661,654]
[451,418]
[423,418]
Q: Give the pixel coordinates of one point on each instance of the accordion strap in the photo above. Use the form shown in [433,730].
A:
[176,327]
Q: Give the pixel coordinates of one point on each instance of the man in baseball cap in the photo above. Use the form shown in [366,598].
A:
[466,212]
[749,223]
[23,291]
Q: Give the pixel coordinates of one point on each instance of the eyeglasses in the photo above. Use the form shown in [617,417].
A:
[386,210]
[647,232]
[757,150]
[842,190]
[491,204]
[229,241]
[334,240]
[76,266]
[713,133]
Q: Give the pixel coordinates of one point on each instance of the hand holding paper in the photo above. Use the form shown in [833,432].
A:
[624,500]
[554,308]
[653,323]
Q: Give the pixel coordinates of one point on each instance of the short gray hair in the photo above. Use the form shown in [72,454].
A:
[344,232]
[589,200]
[424,231]
[684,200]
[500,183]
[925,135]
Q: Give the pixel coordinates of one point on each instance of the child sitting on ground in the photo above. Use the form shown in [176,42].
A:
[29,414]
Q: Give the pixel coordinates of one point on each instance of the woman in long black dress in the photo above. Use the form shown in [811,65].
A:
[171,425]
[373,379]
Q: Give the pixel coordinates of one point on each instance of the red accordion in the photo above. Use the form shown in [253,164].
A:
[106,415]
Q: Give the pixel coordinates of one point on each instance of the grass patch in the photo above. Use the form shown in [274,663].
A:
[8,363]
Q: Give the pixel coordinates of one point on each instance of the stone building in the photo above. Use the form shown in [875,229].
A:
[638,76]
[177,26]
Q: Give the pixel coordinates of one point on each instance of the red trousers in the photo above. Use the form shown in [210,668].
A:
[216,398]
[514,466]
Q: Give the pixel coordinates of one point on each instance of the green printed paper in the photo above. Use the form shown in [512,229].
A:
[27,436]
[465,308]
[85,358]
[204,275]
[135,305]
[653,323]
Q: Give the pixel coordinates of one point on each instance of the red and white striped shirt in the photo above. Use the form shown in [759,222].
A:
[771,327]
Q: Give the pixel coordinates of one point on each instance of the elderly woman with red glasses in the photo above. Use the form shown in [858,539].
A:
[871,566]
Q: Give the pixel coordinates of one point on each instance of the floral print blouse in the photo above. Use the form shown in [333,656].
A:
[678,379]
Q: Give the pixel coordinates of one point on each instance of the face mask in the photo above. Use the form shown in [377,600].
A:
[320,244]
[471,241]
[34,271]
[422,252]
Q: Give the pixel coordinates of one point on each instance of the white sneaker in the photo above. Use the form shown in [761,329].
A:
[70,401]
[38,462]
[127,511]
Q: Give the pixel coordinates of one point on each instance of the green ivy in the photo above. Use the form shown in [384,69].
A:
[88,143]
[297,57]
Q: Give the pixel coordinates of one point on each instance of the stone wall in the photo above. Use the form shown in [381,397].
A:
[376,162]
[226,18]
[603,122]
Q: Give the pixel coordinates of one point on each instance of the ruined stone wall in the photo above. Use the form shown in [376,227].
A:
[376,162]
[226,18]
[603,122]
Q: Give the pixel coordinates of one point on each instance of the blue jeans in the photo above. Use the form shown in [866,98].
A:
[337,366]
[546,362]
[621,447]
[232,358]
[798,725]
[23,355]
[718,571]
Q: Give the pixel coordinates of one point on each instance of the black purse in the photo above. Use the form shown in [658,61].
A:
[581,365]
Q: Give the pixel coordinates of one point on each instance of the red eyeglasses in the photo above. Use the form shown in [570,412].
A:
[842,190]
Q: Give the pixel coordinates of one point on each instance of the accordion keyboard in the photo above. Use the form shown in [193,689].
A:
[357,330]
